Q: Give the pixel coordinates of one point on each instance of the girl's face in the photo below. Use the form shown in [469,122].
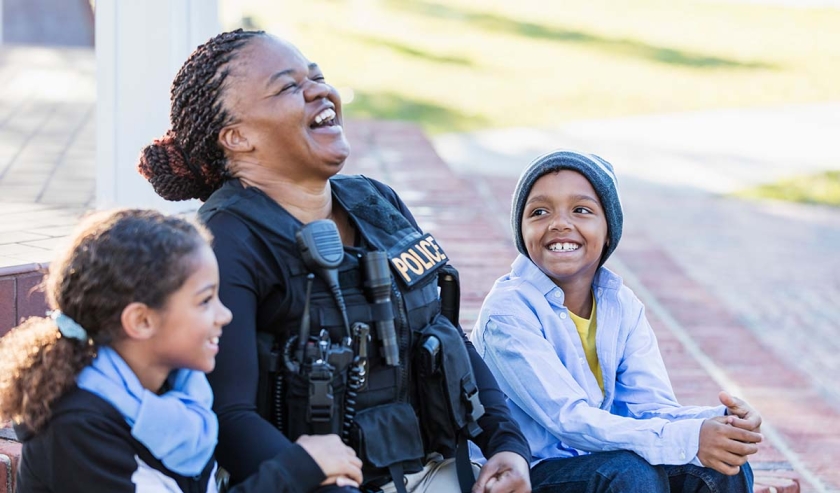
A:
[190,323]
[285,109]
[564,228]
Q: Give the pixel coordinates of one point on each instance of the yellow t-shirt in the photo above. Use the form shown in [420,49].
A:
[586,330]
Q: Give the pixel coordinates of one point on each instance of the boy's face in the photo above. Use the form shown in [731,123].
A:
[565,228]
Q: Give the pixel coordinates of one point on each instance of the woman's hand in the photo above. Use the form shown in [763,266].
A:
[505,472]
[338,461]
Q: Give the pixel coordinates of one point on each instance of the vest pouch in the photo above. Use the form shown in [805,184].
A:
[314,403]
[387,437]
[447,395]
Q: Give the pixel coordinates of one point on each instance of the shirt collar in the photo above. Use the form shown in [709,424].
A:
[525,268]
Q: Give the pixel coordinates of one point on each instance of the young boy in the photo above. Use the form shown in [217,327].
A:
[573,351]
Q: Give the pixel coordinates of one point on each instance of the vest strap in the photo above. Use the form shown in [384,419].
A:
[398,477]
[463,465]
[321,400]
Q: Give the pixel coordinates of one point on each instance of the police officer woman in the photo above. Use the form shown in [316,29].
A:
[256,133]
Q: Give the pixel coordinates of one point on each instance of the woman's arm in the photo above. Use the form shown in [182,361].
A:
[281,474]
[500,433]
[246,440]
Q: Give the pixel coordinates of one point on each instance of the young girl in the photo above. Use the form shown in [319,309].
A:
[579,363]
[109,393]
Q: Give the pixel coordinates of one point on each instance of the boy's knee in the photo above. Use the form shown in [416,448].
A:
[627,471]
[741,482]
[691,478]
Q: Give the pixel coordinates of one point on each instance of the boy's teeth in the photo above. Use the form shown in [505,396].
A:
[563,247]
[214,340]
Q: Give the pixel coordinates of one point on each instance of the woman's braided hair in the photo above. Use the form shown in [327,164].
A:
[187,161]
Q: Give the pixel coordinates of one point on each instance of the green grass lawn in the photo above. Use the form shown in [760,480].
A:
[822,188]
[458,65]
[454,65]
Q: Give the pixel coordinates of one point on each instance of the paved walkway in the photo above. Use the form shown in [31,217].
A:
[743,296]
[47,147]
[751,289]
[774,264]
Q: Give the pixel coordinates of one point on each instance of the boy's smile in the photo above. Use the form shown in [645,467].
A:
[563,246]
[564,228]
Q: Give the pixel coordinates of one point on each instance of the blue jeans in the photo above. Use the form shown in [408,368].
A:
[625,472]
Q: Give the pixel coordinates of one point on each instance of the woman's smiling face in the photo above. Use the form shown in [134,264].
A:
[281,104]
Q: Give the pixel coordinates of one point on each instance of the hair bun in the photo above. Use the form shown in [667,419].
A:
[167,168]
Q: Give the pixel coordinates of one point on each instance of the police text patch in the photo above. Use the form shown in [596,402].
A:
[418,259]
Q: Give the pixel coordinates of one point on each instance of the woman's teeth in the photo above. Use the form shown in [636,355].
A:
[214,340]
[324,117]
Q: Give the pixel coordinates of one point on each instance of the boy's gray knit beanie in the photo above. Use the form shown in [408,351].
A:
[599,173]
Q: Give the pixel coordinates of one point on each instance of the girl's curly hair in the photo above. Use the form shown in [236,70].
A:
[115,258]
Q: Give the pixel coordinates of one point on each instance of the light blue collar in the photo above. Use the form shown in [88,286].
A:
[178,427]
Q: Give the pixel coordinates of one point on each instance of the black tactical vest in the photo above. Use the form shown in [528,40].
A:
[404,412]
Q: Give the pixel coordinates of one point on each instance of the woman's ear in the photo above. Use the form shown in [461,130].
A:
[138,321]
[233,139]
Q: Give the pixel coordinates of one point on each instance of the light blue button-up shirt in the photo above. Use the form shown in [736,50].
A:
[531,345]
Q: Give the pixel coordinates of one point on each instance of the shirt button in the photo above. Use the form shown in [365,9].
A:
[557,294]
[600,290]
[563,315]
[682,454]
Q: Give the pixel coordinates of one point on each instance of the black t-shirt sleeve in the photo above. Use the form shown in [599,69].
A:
[79,455]
[500,433]
[245,439]
[292,471]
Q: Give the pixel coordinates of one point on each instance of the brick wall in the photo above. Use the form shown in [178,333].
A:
[9,457]
[19,298]
[19,294]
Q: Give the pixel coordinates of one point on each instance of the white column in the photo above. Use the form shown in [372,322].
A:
[140,45]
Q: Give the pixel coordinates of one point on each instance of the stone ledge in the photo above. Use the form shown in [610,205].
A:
[6,474]
[9,458]
[16,270]
[775,484]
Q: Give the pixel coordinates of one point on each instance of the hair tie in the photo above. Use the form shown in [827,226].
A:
[67,326]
